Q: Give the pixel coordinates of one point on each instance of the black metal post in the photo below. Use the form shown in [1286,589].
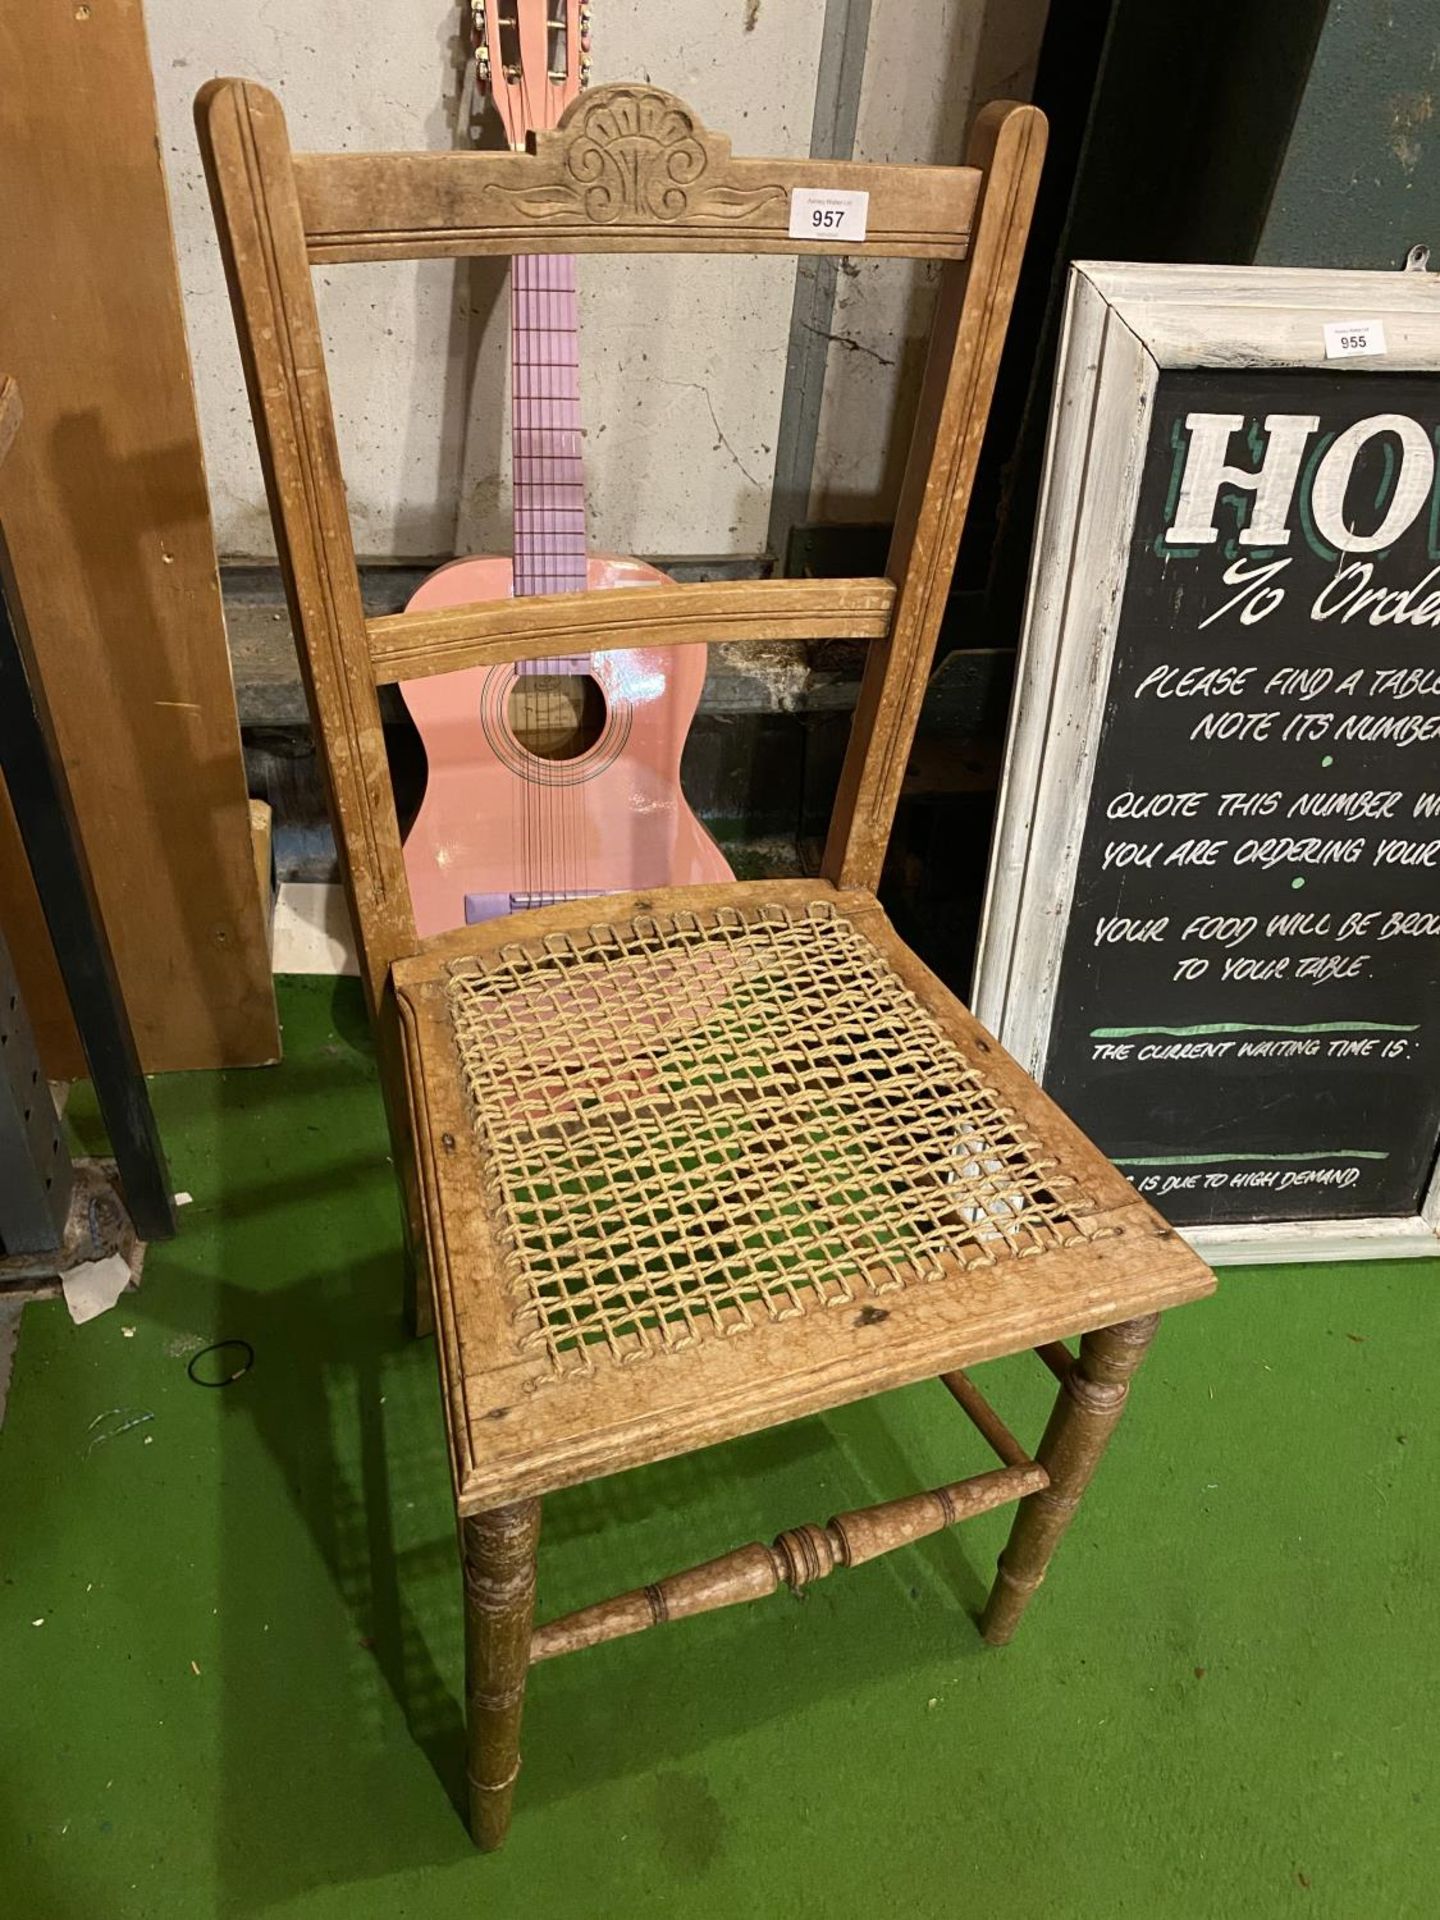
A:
[35,1170]
[40,796]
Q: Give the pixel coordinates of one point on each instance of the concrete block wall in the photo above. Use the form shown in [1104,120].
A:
[683,361]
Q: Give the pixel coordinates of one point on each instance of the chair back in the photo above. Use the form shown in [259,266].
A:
[629,169]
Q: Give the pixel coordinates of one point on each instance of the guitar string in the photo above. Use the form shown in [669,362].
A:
[534,561]
[547,427]
[540,549]
[566,276]
[520,284]
[514,692]
[565,320]
[552,422]
[554,432]
[568,347]
[554,413]
[538,564]
[523,272]
[518,693]
[551,878]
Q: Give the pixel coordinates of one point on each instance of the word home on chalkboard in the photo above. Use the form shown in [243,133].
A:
[1214,920]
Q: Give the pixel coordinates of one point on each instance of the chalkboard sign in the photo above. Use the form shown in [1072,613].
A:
[1214,922]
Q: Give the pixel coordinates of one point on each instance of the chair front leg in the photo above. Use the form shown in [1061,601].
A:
[1087,1410]
[498,1549]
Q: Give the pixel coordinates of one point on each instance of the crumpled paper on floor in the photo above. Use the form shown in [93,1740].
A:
[94,1286]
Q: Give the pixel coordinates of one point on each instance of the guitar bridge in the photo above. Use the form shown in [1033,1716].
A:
[480,907]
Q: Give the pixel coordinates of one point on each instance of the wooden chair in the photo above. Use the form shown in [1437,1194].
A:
[689,1164]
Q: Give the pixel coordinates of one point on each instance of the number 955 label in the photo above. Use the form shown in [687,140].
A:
[828,213]
[1349,339]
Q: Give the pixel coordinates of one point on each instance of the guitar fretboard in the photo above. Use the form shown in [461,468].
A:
[549,476]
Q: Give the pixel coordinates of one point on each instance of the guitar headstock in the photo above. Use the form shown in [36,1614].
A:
[533,56]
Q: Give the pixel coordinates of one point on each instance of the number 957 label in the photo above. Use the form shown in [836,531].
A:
[828,213]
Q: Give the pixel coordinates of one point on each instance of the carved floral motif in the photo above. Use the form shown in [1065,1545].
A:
[637,154]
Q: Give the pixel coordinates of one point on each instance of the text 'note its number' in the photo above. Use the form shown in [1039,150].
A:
[828,213]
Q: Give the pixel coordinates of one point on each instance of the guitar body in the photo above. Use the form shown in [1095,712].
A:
[503,827]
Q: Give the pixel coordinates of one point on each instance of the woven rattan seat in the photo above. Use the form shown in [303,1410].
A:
[694,1124]
[703,1167]
[683,1165]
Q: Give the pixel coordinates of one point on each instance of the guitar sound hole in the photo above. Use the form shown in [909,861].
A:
[557,716]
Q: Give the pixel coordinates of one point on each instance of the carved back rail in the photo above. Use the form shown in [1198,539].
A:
[629,169]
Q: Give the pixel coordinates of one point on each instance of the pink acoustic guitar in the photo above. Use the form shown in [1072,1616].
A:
[549,779]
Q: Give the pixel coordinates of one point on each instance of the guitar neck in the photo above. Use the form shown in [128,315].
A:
[549,474]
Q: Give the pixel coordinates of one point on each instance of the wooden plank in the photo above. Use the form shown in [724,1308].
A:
[405,646]
[1008,143]
[103,499]
[630,169]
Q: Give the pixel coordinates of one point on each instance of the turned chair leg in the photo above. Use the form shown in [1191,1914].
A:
[498,1549]
[1087,1410]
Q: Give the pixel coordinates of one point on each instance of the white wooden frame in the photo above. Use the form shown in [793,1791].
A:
[1123,325]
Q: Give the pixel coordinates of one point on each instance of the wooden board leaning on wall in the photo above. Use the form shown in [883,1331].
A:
[105,508]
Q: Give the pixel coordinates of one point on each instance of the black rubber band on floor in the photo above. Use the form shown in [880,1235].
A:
[223,1346]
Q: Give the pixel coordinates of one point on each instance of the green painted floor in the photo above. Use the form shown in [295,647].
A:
[230,1635]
